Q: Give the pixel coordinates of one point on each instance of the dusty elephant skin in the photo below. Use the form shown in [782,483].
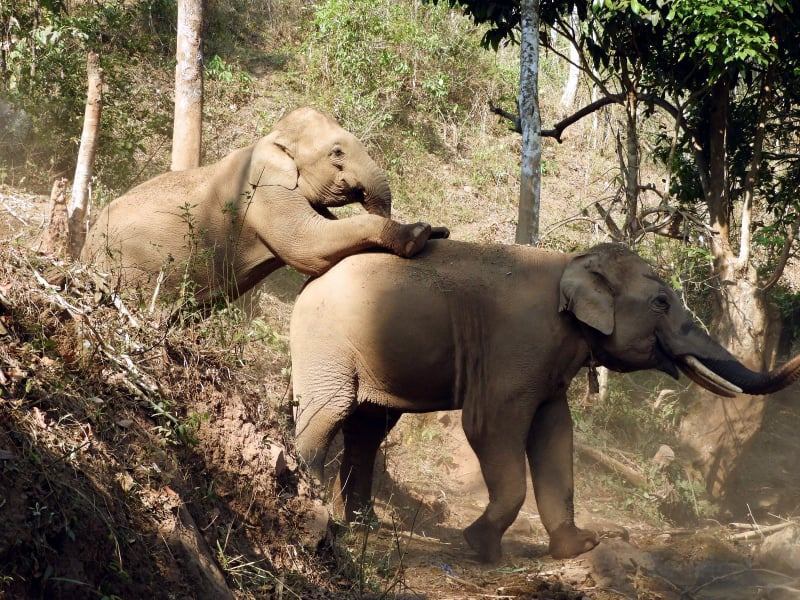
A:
[222,228]
[498,331]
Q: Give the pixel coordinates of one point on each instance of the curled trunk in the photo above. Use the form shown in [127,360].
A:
[377,195]
[707,362]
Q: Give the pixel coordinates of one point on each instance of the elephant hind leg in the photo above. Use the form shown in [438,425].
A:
[363,432]
[320,415]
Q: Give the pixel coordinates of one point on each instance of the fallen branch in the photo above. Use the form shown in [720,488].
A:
[137,381]
[630,475]
[186,540]
[747,535]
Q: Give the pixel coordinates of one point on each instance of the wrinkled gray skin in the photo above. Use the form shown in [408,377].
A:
[499,332]
[226,226]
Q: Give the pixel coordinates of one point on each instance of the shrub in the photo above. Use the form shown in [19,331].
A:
[382,62]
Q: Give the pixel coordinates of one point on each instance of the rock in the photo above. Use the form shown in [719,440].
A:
[663,457]
[314,527]
[781,550]
[614,564]
[607,529]
[277,459]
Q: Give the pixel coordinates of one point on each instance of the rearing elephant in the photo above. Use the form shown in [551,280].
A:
[499,332]
[224,227]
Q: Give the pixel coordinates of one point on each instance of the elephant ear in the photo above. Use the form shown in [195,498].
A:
[273,164]
[585,293]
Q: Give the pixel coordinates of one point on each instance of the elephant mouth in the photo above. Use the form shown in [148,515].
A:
[695,370]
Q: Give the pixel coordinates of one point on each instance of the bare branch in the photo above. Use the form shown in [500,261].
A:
[784,258]
[558,128]
[516,125]
[751,179]
[613,229]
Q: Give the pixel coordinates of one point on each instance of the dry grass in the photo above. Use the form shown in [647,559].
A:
[111,421]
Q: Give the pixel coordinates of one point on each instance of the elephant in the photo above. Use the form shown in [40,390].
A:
[498,331]
[224,227]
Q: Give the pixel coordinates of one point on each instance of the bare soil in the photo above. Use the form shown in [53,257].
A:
[428,494]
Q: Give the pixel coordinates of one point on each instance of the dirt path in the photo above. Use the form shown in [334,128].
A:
[423,505]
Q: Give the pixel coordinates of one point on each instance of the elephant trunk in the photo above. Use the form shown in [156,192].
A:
[752,382]
[377,195]
[709,364]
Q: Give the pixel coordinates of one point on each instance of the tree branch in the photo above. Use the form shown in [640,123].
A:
[558,128]
[613,229]
[751,179]
[784,258]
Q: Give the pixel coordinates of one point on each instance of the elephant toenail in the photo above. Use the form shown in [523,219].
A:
[417,230]
[409,247]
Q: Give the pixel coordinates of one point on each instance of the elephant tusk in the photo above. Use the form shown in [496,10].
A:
[707,373]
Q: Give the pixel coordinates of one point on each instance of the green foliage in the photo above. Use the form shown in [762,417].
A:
[45,74]
[381,61]
[503,16]
[727,31]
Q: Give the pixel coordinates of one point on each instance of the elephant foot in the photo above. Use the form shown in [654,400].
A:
[484,541]
[439,233]
[418,235]
[568,541]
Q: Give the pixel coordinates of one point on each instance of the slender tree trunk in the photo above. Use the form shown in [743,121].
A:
[718,430]
[77,210]
[54,238]
[188,125]
[571,86]
[530,120]
[631,168]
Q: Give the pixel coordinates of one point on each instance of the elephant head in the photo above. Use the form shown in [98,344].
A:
[633,320]
[308,151]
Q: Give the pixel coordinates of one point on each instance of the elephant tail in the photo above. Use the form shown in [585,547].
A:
[471,370]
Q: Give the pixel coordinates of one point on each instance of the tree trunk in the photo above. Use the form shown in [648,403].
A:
[55,236]
[571,86]
[530,121]
[77,210]
[631,170]
[188,125]
[717,430]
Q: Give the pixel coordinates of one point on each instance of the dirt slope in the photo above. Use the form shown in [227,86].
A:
[139,459]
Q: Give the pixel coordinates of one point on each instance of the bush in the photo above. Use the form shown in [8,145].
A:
[382,61]
[46,77]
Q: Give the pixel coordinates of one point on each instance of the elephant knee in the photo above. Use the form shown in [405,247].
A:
[517,499]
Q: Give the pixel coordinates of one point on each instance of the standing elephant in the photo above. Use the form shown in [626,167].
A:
[499,332]
[222,228]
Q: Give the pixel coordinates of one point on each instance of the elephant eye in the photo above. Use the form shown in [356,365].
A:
[661,303]
[337,152]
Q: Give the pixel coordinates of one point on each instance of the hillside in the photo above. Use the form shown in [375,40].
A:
[140,457]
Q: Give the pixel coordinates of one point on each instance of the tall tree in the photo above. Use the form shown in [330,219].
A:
[521,21]
[188,124]
[571,85]
[728,73]
[77,209]
[531,125]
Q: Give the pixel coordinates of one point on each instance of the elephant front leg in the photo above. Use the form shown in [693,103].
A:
[297,234]
[550,457]
[502,460]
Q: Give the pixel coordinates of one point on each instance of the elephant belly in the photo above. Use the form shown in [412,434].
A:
[405,353]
